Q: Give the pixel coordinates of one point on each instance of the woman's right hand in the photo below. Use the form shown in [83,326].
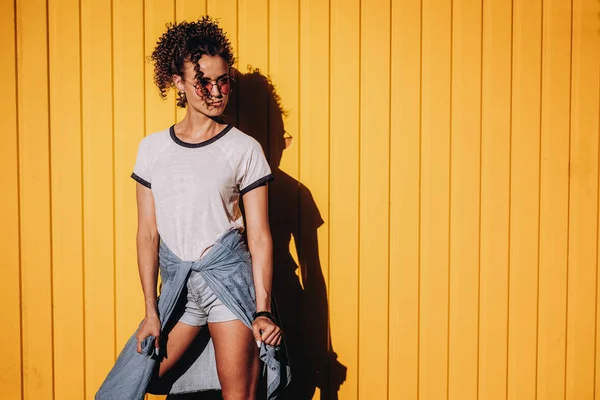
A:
[150,327]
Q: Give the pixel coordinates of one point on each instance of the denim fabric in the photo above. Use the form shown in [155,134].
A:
[227,269]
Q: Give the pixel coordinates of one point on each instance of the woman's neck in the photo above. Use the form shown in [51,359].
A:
[197,127]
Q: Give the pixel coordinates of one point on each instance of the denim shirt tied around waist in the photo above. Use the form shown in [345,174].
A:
[227,269]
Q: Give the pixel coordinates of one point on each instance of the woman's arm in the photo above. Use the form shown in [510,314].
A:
[260,245]
[147,257]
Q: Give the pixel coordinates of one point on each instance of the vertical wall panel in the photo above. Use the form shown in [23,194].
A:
[314,109]
[128,96]
[554,198]
[374,199]
[284,71]
[583,201]
[286,192]
[435,195]
[344,188]
[129,58]
[253,34]
[10,285]
[495,201]
[405,192]
[524,192]
[253,52]
[314,170]
[188,10]
[226,12]
[35,207]
[67,217]
[98,209]
[465,163]
[160,113]
[282,146]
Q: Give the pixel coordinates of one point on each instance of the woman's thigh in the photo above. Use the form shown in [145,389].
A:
[237,359]
[180,338]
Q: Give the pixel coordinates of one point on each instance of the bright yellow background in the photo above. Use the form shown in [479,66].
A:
[451,148]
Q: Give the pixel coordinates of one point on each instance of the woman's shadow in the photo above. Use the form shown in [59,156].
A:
[299,288]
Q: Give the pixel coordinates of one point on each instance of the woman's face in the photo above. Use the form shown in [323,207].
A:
[208,96]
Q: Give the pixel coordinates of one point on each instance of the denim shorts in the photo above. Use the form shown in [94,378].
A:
[202,304]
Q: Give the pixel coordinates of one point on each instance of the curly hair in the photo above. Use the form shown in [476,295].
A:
[187,41]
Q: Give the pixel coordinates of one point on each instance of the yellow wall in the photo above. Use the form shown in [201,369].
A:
[450,146]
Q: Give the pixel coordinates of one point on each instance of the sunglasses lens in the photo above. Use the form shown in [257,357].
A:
[206,87]
[225,87]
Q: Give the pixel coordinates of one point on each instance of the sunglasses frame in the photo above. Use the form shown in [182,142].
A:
[208,86]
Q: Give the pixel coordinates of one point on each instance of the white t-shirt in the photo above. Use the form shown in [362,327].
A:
[197,186]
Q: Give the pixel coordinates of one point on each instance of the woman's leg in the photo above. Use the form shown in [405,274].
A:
[187,328]
[180,338]
[237,359]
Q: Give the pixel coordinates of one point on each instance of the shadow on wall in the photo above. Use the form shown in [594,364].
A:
[256,109]
[302,302]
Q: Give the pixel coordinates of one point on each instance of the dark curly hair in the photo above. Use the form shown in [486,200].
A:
[187,41]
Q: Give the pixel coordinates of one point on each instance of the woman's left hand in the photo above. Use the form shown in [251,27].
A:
[266,331]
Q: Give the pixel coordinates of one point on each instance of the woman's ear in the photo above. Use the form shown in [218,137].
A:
[178,82]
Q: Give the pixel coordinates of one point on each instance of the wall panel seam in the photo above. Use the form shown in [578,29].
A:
[597,248]
[449,229]
[420,199]
[568,247]
[389,210]
[114,209]
[19,229]
[360,38]
[50,205]
[82,182]
[510,136]
[539,199]
[478,362]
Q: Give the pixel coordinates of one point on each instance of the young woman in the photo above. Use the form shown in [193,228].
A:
[190,180]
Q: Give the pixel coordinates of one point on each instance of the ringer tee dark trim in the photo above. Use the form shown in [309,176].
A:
[261,182]
[141,180]
[201,144]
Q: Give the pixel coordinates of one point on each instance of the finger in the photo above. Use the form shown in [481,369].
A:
[139,345]
[256,333]
[273,337]
[267,332]
[277,342]
[270,331]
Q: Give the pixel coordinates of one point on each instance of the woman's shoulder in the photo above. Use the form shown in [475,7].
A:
[155,141]
[237,134]
[241,140]
[157,137]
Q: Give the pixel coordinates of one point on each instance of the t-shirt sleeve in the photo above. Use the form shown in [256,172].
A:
[254,169]
[141,169]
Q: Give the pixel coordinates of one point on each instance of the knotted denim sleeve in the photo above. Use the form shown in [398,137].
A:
[228,271]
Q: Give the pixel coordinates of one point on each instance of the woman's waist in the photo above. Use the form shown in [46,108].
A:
[223,252]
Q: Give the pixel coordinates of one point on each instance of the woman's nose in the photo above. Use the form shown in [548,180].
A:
[215,91]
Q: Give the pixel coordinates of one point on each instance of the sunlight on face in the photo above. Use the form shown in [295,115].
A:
[210,94]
